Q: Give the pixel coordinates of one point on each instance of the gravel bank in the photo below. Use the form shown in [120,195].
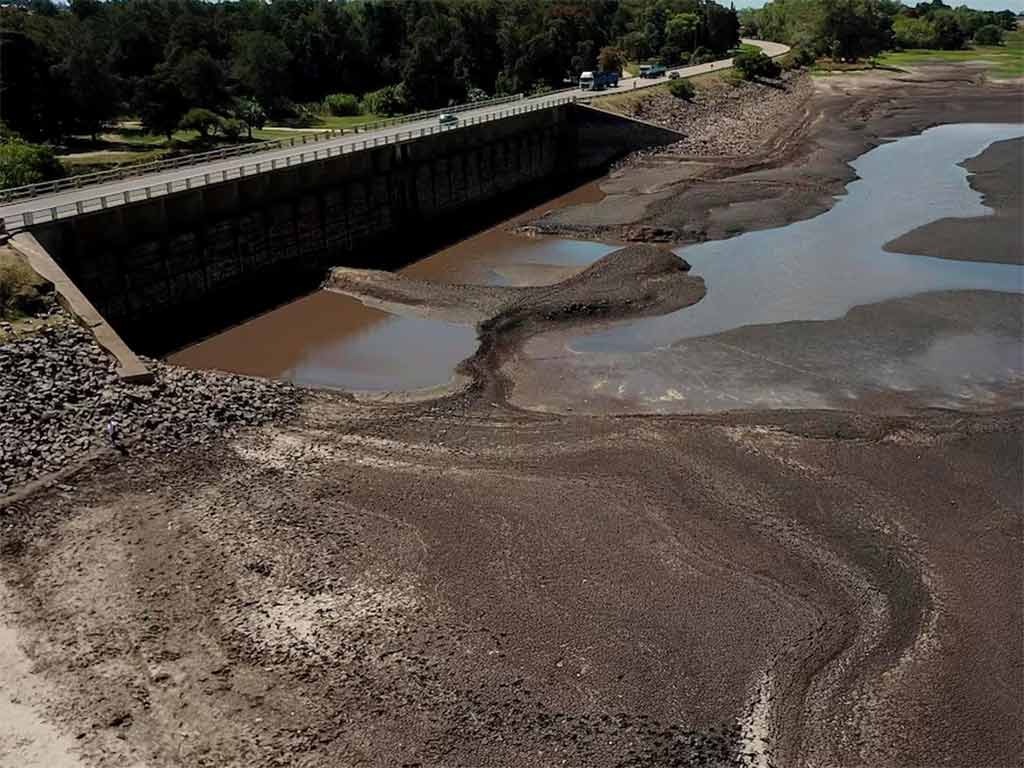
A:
[724,119]
[59,391]
[764,157]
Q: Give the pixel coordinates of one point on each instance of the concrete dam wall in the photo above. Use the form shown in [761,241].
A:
[165,271]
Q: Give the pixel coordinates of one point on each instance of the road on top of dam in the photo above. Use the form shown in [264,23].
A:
[13,213]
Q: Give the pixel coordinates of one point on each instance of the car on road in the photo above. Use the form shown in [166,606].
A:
[446,118]
[673,75]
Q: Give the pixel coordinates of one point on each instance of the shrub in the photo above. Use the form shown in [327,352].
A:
[799,58]
[22,291]
[23,163]
[200,120]
[232,128]
[611,59]
[341,105]
[473,95]
[754,65]
[251,114]
[303,115]
[682,89]
[389,100]
[702,56]
[914,33]
[990,34]
[733,78]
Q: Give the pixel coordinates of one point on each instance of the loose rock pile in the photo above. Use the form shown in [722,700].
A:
[59,392]
[725,120]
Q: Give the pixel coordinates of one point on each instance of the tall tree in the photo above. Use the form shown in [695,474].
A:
[200,79]
[26,87]
[681,31]
[94,92]
[429,70]
[159,103]
[261,68]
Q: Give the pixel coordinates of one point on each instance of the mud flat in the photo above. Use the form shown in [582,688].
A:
[462,582]
[450,584]
[817,314]
[792,167]
[996,173]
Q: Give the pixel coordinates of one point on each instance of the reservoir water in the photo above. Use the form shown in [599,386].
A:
[821,268]
[814,270]
[327,340]
[816,314]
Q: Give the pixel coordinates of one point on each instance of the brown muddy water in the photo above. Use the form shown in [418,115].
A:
[332,341]
[810,315]
[810,271]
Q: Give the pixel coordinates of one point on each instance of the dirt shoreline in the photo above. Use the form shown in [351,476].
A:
[996,174]
[797,168]
[460,582]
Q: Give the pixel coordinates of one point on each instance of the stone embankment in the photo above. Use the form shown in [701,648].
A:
[730,127]
[59,392]
[725,118]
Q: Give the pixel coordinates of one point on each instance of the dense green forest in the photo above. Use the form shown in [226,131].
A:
[69,69]
[854,29]
[189,69]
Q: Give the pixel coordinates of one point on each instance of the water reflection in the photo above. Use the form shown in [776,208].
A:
[820,268]
[331,341]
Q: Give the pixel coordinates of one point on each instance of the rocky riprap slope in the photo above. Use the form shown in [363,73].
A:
[59,391]
[724,119]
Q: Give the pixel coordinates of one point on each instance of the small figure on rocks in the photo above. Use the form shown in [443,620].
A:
[114,436]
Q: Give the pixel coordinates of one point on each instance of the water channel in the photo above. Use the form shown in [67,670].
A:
[332,341]
[814,270]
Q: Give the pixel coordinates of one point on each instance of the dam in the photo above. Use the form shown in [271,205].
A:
[165,270]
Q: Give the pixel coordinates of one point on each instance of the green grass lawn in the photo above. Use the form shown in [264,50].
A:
[1006,60]
[273,132]
[625,101]
[349,121]
[126,143]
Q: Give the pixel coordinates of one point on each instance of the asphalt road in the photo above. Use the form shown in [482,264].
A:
[134,187]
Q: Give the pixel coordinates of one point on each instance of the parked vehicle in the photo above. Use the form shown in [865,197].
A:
[598,81]
[446,118]
[673,75]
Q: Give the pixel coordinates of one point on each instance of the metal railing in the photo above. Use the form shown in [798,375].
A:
[29,191]
[101,202]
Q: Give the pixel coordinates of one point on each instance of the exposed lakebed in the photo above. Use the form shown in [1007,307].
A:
[779,327]
[812,314]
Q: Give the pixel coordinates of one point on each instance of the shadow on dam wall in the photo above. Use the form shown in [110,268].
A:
[167,271]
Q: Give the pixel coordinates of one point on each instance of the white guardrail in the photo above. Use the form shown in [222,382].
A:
[53,213]
[28,191]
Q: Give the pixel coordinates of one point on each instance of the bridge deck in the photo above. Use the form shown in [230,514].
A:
[26,212]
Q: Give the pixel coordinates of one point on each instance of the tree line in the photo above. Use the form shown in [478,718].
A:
[70,69]
[856,29]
